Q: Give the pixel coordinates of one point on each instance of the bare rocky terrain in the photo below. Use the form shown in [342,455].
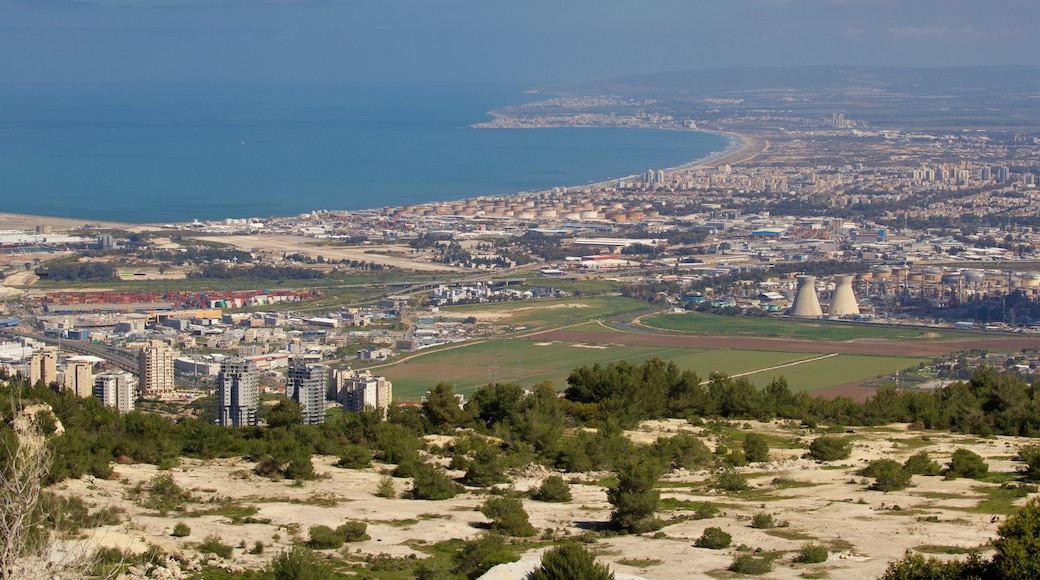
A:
[824,503]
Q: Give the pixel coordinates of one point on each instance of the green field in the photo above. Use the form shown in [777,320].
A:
[714,324]
[527,362]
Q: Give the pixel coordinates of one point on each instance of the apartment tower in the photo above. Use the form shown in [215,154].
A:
[155,367]
[306,385]
[238,393]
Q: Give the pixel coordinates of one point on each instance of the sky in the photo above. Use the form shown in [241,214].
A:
[527,41]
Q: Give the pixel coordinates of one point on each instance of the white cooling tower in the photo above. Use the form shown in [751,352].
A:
[843,302]
[806,303]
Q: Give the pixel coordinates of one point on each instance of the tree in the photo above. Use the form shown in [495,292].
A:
[634,497]
[443,409]
[966,463]
[286,413]
[828,448]
[432,483]
[507,516]
[756,448]
[570,561]
[478,556]
[888,475]
[1018,547]
[486,469]
[553,489]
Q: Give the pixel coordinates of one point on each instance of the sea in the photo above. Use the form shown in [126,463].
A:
[177,153]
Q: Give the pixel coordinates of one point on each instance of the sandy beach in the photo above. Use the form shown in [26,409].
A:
[21,222]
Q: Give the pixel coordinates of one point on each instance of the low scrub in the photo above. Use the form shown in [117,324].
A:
[812,554]
[714,539]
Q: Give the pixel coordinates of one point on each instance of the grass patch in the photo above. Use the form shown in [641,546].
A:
[232,512]
[396,523]
[1000,500]
[789,534]
[822,330]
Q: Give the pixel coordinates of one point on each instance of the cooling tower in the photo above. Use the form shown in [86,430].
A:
[843,302]
[806,303]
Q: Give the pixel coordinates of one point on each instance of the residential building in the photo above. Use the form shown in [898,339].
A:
[78,378]
[116,389]
[361,390]
[43,366]
[155,367]
[306,385]
[238,393]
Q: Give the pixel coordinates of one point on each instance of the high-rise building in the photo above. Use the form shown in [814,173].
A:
[43,366]
[78,378]
[116,389]
[361,390]
[306,385]
[238,393]
[155,367]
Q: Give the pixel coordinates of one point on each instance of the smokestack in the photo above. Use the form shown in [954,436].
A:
[843,302]
[806,303]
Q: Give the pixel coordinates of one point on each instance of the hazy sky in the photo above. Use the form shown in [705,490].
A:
[531,41]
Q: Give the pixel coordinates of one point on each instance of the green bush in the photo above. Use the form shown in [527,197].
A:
[323,538]
[748,564]
[354,457]
[507,516]
[634,497]
[486,469]
[888,475]
[432,483]
[730,480]
[1018,547]
[213,545]
[386,488]
[570,561]
[921,464]
[763,521]
[829,448]
[812,554]
[1030,455]
[299,563]
[714,539]
[476,557]
[553,489]
[756,448]
[966,463]
[353,531]
[181,530]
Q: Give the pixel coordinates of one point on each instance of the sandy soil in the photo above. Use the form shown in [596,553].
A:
[21,222]
[306,246]
[863,528]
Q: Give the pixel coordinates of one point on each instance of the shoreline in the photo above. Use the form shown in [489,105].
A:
[737,146]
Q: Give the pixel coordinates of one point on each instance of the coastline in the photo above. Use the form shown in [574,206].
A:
[736,151]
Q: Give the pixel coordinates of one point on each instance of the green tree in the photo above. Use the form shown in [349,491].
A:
[507,516]
[829,448]
[480,555]
[634,497]
[443,409]
[487,468]
[756,448]
[553,489]
[285,414]
[570,561]
[1018,545]
[432,483]
[966,463]
[888,475]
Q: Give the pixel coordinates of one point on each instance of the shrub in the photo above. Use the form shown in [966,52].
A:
[736,458]
[181,530]
[478,556]
[763,521]
[730,480]
[432,483]
[553,489]
[164,494]
[486,469]
[828,448]
[353,531]
[386,487]
[714,539]
[570,561]
[213,545]
[748,564]
[812,554]
[354,457]
[507,515]
[921,464]
[634,497]
[323,538]
[1030,455]
[756,448]
[299,563]
[966,463]
[705,511]
[1018,547]
[888,475]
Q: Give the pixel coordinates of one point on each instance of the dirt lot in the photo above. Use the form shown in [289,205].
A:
[828,504]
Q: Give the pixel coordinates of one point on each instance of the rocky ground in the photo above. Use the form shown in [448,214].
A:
[825,503]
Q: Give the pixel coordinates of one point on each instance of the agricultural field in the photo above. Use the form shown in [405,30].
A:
[714,324]
[557,312]
[529,361]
